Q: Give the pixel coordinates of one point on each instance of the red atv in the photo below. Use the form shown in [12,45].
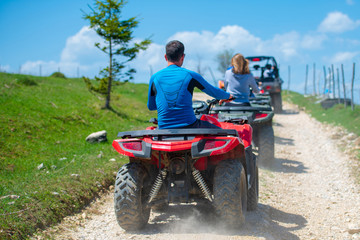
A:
[172,166]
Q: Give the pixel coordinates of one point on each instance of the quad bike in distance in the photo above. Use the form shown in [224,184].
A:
[266,72]
[175,166]
[259,115]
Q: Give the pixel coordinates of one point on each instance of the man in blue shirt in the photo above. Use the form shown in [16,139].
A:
[171,90]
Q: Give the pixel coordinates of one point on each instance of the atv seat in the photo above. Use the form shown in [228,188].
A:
[179,132]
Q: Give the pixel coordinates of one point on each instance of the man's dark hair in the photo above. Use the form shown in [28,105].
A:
[174,50]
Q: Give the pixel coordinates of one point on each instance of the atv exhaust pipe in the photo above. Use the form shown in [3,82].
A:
[157,185]
[202,184]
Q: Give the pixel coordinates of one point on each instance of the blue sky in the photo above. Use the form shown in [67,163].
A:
[52,34]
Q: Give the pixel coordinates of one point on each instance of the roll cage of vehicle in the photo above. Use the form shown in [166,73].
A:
[258,65]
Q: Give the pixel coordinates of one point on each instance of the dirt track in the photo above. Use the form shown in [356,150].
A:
[307,193]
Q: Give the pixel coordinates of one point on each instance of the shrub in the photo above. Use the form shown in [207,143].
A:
[26,81]
[58,75]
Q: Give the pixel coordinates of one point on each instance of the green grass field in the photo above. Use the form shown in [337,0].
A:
[45,120]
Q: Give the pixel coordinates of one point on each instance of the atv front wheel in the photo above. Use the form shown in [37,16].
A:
[130,197]
[253,192]
[230,192]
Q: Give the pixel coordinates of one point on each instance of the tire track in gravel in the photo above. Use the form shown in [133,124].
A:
[306,193]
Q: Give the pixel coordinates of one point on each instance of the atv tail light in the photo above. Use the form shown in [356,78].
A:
[260,115]
[210,144]
[268,87]
[255,59]
[136,146]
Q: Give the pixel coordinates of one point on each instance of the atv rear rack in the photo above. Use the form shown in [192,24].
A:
[242,108]
[179,132]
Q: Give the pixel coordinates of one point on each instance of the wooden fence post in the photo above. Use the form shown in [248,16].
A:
[333,78]
[324,80]
[306,78]
[314,87]
[338,83]
[330,81]
[343,80]
[318,84]
[352,88]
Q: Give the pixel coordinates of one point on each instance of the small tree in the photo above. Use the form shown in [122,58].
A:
[117,35]
[224,59]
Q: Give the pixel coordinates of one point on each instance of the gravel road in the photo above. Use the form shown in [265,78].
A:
[308,192]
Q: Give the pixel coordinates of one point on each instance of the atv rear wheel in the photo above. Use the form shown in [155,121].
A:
[253,192]
[265,142]
[130,197]
[230,192]
[276,102]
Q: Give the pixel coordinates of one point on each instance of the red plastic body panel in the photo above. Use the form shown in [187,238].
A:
[233,148]
[210,119]
[245,131]
[201,164]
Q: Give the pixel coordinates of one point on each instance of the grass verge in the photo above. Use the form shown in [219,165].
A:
[47,170]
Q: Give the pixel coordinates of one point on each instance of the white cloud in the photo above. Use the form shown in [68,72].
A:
[313,41]
[337,22]
[79,56]
[350,2]
[282,45]
[80,47]
[228,37]
[4,68]
[348,42]
[152,58]
[201,48]
[342,57]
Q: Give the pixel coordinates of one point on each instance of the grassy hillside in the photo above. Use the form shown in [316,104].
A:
[44,121]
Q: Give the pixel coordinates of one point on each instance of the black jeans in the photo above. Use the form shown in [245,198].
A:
[201,124]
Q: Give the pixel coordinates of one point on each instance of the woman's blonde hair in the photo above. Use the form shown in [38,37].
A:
[240,64]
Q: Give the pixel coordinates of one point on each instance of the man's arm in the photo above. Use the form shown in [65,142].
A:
[152,95]
[209,89]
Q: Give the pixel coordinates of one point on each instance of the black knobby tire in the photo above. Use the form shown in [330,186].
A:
[230,192]
[253,192]
[276,102]
[130,197]
[266,144]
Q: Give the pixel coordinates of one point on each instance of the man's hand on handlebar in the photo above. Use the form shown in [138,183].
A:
[226,100]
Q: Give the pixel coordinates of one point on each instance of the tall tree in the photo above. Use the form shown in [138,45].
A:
[224,60]
[118,44]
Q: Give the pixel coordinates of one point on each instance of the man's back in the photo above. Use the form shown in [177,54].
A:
[170,93]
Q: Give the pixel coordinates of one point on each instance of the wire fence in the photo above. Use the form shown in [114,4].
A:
[329,82]
[39,71]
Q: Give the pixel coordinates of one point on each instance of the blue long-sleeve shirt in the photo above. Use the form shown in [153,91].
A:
[239,85]
[170,93]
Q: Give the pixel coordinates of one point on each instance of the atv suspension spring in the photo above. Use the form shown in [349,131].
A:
[157,185]
[202,185]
